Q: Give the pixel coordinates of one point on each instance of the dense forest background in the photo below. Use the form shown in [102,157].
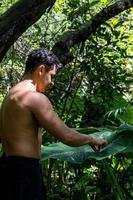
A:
[93,92]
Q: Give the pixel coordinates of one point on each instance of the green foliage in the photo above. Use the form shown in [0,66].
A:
[95,89]
[5,5]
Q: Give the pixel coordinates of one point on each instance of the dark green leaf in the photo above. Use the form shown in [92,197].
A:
[119,142]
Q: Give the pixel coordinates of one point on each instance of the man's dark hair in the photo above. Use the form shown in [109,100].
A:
[42,56]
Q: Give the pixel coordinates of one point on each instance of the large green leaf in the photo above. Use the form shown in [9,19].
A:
[120,141]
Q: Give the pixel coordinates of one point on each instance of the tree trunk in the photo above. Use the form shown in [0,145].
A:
[23,14]
[18,18]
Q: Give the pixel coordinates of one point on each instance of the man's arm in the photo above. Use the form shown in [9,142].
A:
[42,109]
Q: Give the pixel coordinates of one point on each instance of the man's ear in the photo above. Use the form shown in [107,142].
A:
[41,69]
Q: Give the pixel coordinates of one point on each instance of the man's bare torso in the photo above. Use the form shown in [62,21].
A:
[20,133]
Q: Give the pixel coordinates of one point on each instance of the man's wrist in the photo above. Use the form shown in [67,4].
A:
[91,140]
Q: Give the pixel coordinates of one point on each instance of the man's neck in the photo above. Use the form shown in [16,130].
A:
[29,80]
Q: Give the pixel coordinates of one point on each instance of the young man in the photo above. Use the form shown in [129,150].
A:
[25,110]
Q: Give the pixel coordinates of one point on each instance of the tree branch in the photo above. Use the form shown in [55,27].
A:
[18,18]
[71,38]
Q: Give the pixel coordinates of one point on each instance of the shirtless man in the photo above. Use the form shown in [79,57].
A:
[25,110]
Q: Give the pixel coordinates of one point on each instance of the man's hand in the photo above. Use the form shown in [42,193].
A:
[97,144]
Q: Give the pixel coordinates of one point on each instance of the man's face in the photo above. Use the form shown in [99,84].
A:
[46,79]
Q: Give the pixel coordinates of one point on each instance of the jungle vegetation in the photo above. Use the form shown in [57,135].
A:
[93,93]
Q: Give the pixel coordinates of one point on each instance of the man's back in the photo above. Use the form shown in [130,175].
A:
[19,133]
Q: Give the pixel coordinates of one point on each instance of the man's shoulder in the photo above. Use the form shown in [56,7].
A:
[37,96]
[36,99]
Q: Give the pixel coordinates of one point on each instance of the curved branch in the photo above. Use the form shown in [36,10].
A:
[71,38]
